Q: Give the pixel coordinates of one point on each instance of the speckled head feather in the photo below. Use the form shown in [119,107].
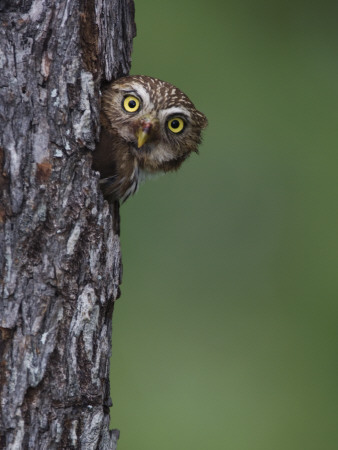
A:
[148,126]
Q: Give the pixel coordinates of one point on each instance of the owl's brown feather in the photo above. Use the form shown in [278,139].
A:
[135,144]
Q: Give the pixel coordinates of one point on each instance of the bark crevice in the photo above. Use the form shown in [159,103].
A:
[60,261]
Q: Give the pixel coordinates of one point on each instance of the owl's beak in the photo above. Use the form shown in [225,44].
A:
[144,131]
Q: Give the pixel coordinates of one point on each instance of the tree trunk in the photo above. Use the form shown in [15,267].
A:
[59,245]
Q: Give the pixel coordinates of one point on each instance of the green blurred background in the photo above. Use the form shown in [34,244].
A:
[226,334]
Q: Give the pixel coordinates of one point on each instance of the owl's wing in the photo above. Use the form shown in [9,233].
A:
[114,188]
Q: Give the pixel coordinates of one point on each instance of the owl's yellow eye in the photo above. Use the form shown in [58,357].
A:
[176,124]
[131,103]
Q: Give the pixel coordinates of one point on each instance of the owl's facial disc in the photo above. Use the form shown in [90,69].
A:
[145,130]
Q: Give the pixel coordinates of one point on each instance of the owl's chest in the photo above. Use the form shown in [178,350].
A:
[134,166]
[131,183]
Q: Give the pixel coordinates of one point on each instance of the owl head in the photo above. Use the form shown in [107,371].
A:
[157,120]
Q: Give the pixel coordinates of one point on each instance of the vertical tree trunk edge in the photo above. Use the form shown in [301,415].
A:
[60,259]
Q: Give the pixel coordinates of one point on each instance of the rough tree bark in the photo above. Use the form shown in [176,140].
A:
[59,245]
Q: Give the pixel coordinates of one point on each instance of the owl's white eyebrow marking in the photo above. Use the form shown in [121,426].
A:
[128,91]
[174,110]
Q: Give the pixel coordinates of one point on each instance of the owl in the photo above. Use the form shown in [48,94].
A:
[148,127]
